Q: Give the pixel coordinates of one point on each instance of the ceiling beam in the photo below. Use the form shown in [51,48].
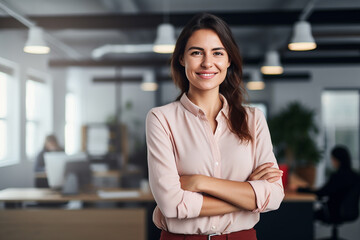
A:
[152,20]
[286,76]
[136,79]
[337,46]
[304,61]
[151,62]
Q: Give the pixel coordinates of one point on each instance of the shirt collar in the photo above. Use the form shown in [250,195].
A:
[194,109]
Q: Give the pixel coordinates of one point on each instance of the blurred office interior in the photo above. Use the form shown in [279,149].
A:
[101,77]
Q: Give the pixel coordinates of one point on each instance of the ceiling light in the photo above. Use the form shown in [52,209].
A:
[256,82]
[149,83]
[272,65]
[302,39]
[35,43]
[165,39]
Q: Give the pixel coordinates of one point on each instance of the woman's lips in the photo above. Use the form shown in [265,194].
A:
[206,75]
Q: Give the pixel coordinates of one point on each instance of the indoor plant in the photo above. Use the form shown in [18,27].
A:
[293,132]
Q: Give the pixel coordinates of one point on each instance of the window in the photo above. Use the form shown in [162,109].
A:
[3,116]
[38,115]
[71,126]
[9,114]
[341,121]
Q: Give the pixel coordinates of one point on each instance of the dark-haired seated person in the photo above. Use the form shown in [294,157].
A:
[50,145]
[339,183]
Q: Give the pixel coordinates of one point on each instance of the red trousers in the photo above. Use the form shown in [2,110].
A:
[241,235]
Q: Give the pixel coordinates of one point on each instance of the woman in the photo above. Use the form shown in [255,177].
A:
[211,165]
[50,145]
[339,183]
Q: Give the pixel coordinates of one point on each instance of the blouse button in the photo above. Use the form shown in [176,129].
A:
[217,163]
[213,227]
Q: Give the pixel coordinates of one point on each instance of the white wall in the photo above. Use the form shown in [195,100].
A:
[11,48]
[59,91]
[98,100]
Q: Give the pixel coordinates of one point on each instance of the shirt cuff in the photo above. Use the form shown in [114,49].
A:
[190,206]
[262,194]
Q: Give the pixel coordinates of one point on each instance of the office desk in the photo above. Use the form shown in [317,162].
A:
[293,220]
[18,223]
[19,195]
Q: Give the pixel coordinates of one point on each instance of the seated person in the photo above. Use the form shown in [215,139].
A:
[50,145]
[335,188]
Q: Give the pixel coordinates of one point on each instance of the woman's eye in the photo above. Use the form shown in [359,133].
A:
[218,53]
[195,53]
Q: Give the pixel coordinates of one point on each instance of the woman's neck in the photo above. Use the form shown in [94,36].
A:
[208,101]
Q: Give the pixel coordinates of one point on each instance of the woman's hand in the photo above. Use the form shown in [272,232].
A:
[266,172]
[192,182]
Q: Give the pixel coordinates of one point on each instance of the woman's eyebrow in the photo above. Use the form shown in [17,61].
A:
[201,49]
[195,48]
[218,48]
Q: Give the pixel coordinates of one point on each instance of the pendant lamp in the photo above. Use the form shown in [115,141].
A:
[165,39]
[149,84]
[302,39]
[256,82]
[272,65]
[35,43]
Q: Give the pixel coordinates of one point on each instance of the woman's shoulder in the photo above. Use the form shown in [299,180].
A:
[254,112]
[164,111]
[167,108]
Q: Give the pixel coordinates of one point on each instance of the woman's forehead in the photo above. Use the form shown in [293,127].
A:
[204,38]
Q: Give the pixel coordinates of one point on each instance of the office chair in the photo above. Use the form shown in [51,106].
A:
[348,210]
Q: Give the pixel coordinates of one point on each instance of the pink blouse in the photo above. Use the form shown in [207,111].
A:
[180,142]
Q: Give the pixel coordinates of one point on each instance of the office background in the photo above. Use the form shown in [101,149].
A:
[73,88]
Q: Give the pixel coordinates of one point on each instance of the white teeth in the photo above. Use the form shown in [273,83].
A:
[207,74]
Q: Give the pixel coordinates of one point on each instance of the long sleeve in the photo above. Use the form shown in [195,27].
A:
[172,201]
[39,165]
[268,195]
[181,142]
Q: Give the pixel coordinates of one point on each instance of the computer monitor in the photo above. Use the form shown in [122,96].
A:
[58,165]
[80,170]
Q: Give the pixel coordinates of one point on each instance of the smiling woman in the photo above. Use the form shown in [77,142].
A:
[211,165]
[205,61]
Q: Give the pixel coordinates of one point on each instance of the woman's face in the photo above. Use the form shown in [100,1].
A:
[51,146]
[205,60]
[335,163]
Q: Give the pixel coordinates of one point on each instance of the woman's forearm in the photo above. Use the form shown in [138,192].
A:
[213,206]
[239,194]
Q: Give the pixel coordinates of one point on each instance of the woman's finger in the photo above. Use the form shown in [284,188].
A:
[267,171]
[262,170]
[262,167]
[262,175]
[272,180]
[271,175]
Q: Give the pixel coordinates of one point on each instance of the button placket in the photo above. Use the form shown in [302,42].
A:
[215,158]
[217,164]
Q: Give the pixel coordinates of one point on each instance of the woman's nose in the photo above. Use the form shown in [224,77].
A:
[207,62]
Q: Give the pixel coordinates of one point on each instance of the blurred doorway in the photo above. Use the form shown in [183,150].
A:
[340,117]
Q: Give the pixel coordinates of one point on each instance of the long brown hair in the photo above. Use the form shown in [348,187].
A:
[232,87]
